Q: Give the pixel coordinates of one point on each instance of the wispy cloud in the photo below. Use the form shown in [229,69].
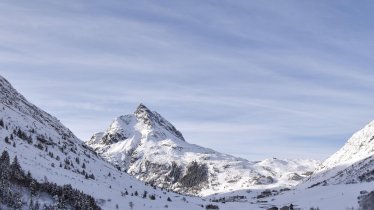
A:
[236,76]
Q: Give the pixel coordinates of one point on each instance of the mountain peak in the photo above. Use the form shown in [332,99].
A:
[142,111]
[3,81]
[144,122]
[141,108]
[152,119]
[145,115]
[8,93]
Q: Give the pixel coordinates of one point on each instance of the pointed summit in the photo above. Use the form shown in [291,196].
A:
[144,114]
[141,106]
[8,93]
[154,119]
[142,109]
[3,81]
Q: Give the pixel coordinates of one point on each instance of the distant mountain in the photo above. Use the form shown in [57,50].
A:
[53,154]
[353,163]
[148,147]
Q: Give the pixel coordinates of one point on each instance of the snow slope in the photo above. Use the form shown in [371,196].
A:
[332,197]
[150,148]
[51,152]
[353,163]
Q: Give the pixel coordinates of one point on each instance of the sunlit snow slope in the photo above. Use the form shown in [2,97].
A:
[353,163]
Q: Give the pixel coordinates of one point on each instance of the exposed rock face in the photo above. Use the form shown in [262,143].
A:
[196,175]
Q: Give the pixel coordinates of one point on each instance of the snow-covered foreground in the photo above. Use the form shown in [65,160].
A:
[332,197]
[325,197]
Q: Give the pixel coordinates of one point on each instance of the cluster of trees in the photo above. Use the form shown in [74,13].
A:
[195,175]
[366,200]
[264,194]
[13,179]
[290,207]
[235,198]
[42,144]
[22,135]
[144,195]
[17,132]
[211,206]
[367,176]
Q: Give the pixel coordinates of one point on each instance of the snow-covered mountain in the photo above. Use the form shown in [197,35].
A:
[150,148]
[353,163]
[343,181]
[52,153]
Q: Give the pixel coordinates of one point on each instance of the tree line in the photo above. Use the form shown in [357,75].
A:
[13,179]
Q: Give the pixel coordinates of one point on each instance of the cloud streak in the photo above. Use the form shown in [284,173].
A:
[236,76]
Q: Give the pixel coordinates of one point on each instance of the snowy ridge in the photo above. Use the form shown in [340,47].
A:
[150,148]
[11,99]
[358,147]
[353,163]
[290,171]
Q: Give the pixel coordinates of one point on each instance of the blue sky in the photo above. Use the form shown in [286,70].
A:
[255,79]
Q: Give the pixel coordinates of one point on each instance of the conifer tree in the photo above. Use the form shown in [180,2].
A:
[4,159]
